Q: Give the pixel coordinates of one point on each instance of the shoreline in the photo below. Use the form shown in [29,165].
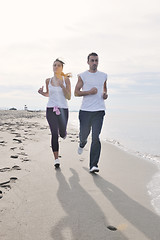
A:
[39,202]
[155,158]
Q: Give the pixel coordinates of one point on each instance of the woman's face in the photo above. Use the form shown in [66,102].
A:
[57,67]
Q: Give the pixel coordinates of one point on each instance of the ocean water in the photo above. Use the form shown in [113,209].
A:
[137,133]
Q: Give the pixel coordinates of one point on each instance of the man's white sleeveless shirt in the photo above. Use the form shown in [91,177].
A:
[94,102]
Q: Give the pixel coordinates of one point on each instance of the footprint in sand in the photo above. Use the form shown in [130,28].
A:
[43,128]
[21,148]
[14,156]
[112,228]
[6,169]
[12,148]
[6,184]
[13,130]
[18,135]
[16,167]
[17,140]
[8,128]
[12,179]
[3,143]
[25,159]
[1,195]
[22,153]
[15,133]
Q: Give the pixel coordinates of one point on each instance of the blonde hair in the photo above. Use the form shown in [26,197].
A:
[62,74]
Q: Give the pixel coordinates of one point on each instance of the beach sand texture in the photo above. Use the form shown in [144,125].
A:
[39,202]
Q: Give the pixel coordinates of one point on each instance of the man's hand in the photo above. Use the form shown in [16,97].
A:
[92,91]
[105,95]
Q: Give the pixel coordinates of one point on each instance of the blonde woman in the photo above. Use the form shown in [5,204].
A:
[58,89]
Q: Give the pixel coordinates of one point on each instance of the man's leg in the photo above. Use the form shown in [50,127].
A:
[95,150]
[85,127]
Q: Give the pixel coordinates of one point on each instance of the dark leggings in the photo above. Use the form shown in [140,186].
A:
[58,125]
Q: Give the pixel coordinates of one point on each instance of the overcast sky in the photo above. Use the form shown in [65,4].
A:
[125,34]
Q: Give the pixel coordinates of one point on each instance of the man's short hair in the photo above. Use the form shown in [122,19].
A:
[92,54]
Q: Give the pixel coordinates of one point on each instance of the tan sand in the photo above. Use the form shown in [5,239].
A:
[39,202]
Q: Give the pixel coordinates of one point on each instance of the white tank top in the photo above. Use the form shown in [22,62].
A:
[56,96]
[94,102]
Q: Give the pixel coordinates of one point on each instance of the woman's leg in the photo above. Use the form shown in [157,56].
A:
[62,122]
[53,124]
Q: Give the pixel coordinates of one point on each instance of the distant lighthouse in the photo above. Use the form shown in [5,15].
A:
[25,107]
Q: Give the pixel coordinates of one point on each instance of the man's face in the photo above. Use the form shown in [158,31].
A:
[93,63]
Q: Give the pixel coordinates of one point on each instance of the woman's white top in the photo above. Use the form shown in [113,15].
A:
[94,102]
[56,96]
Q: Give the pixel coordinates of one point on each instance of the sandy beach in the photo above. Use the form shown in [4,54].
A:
[39,202]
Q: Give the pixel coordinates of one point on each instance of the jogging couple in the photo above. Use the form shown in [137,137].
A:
[92,86]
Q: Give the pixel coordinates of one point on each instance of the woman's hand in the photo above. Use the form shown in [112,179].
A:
[40,91]
[66,89]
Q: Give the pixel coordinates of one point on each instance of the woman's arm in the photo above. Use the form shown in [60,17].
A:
[67,89]
[40,91]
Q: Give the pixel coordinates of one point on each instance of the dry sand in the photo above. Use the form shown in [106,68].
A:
[39,202]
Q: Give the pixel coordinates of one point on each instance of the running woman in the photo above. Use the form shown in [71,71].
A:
[58,89]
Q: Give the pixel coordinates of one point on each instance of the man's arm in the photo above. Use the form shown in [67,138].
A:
[105,95]
[79,93]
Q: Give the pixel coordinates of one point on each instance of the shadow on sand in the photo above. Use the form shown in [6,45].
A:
[142,218]
[84,219]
